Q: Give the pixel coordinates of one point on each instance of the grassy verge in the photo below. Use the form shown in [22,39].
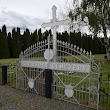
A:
[7,61]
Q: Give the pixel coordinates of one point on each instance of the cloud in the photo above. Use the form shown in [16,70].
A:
[13,19]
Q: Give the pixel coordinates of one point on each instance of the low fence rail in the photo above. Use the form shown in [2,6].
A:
[8,74]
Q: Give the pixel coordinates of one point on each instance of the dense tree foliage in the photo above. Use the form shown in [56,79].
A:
[12,43]
[96,14]
[4,48]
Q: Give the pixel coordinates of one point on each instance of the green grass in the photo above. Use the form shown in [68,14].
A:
[7,61]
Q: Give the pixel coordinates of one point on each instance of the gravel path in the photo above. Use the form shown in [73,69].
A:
[13,99]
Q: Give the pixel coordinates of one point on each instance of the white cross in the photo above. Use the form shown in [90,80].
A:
[54,24]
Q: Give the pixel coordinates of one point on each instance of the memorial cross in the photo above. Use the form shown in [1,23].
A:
[54,24]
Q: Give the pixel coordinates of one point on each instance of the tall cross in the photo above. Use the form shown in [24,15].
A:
[54,24]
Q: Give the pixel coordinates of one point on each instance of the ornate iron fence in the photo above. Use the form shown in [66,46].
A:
[8,74]
[75,86]
[11,74]
[104,92]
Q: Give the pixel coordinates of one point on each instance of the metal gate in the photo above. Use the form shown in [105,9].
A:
[76,87]
[32,79]
[72,80]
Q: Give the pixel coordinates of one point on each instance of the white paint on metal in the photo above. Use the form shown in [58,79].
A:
[48,54]
[31,83]
[54,24]
[69,91]
[75,67]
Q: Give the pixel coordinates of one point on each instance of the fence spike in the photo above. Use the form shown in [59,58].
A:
[68,44]
[21,54]
[63,42]
[84,51]
[29,48]
[87,53]
[81,49]
[90,53]
[77,47]
[58,41]
[71,45]
[74,46]
[24,52]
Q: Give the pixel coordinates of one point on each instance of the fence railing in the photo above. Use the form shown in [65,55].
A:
[104,85]
[104,92]
[10,74]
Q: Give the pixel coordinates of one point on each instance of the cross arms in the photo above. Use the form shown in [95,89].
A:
[57,23]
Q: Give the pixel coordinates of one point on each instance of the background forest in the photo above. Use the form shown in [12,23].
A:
[12,43]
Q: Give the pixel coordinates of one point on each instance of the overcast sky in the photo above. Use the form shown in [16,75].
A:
[30,13]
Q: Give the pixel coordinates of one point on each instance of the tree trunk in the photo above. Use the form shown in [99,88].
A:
[108,54]
[106,41]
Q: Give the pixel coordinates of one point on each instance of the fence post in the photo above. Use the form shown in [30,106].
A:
[4,74]
[48,83]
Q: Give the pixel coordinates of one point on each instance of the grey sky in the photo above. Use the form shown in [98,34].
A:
[30,13]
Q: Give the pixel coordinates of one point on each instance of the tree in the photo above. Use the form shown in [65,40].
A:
[34,37]
[1,44]
[96,13]
[10,45]
[40,34]
[26,39]
[4,41]
[16,42]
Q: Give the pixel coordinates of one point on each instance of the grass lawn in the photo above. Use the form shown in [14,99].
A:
[7,61]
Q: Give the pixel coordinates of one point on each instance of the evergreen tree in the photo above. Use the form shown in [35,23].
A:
[19,42]
[26,39]
[46,34]
[5,50]
[40,36]
[1,45]
[10,45]
[16,42]
[34,37]
[65,37]
[72,38]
